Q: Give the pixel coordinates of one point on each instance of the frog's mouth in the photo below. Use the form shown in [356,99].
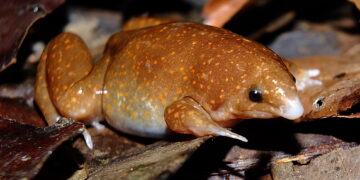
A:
[291,109]
[257,114]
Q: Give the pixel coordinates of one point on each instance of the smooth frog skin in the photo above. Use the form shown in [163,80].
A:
[186,77]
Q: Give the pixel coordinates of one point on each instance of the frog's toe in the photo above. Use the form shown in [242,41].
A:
[88,139]
[211,128]
[227,133]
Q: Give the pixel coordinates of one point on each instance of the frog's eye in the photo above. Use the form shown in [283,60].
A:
[256,95]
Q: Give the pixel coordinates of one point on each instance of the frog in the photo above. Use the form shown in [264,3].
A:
[181,77]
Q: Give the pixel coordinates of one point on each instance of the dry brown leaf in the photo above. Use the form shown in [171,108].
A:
[241,159]
[22,90]
[310,145]
[16,17]
[356,2]
[157,161]
[108,145]
[340,88]
[218,12]
[17,110]
[24,148]
[342,163]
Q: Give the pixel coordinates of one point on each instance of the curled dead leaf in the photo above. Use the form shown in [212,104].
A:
[16,17]
[356,2]
[17,110]
[24,148]
[156,161]
[339,87]
[340,163]
[218,12]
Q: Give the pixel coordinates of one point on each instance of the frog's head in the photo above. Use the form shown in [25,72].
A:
[251,80]
[270,93]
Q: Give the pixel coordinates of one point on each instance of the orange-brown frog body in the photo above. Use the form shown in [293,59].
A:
[187,77]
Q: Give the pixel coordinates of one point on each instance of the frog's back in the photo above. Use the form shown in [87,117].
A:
[155,66]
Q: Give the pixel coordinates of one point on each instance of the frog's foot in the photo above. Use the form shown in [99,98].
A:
[186,116]
[67,82]
[97,125]
[87,138]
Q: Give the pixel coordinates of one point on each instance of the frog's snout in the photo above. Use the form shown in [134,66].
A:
[292,109]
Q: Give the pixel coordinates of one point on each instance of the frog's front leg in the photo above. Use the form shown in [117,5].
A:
[186,116]
[67,82]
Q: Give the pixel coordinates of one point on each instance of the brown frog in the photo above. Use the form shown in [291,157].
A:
[186,77]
